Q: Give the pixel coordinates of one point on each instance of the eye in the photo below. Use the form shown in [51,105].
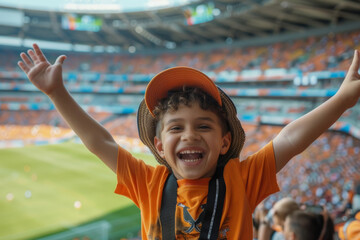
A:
[175,128]
[204,127]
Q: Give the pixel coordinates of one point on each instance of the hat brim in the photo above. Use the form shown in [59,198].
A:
[175,78]
[147,130]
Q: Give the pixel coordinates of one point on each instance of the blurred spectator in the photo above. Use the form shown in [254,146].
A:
[304,225]
[255,229]
[275,219]
[258,216]
[351,229]
[356,198]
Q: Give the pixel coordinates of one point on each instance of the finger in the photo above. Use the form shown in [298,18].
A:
[26,59]
[33,56]
[60,59]
[355,62]
[23,67]
[39,53]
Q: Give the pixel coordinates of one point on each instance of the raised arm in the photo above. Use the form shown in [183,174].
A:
[48,79]
[299,134]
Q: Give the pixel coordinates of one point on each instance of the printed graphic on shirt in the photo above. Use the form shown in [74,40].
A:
[187,225]
[194,223]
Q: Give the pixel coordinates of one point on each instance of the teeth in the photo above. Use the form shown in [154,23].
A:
[191,160]
[189,152]
[191,155]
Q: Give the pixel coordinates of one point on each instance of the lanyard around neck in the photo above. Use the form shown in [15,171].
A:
[213,209]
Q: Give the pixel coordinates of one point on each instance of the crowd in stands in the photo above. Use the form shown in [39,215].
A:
[329,52]
[324,174]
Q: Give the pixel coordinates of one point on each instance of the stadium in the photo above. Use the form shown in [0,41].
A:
[276,59]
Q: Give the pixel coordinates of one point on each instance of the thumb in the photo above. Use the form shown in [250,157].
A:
[60,60]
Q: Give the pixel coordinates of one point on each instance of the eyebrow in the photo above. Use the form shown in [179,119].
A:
[197,119]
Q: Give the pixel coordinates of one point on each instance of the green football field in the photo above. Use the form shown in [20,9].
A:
[48,189]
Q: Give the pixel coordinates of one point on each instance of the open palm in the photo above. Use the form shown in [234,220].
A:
[45,76]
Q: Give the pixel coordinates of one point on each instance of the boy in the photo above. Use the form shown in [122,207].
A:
[199,143]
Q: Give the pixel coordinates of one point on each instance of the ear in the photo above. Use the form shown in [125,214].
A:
[226,142]
[159,147]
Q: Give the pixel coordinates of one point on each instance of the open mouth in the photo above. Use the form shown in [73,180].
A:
[190,155]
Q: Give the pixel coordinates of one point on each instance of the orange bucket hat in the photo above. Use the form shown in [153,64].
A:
[176,78]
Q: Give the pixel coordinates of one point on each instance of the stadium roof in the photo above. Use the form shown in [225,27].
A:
[217,21]
[94,6]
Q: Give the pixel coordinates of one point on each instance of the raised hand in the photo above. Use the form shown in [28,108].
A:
[350,88]
[45,76]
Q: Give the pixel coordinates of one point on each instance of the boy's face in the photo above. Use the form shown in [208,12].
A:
[191,141]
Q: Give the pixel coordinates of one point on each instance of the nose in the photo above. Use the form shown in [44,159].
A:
[190,135]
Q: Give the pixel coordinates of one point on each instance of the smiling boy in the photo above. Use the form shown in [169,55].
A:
[195,134]
[191,127]
[192,140]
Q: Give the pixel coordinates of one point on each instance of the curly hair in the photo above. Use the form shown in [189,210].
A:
[188,96]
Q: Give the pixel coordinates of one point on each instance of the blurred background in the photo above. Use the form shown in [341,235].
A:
[277,59]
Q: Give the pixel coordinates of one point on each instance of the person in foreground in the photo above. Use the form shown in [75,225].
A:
[191,127]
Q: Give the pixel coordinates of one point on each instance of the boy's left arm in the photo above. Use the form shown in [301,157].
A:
[299,134]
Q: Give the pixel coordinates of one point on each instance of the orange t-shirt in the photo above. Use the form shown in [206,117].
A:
[247,182]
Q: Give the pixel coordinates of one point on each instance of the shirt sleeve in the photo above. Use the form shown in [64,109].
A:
[259,175]
[137,180]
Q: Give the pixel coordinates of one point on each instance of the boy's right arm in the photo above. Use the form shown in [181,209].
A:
[48,79]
